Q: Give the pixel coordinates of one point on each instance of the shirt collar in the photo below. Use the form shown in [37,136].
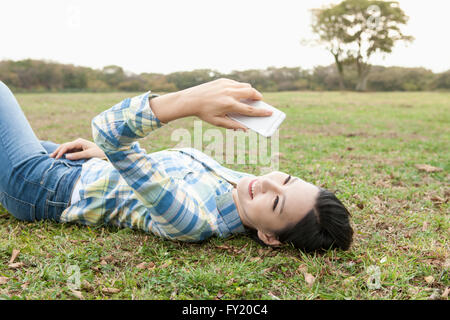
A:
[225,202]
[231,221]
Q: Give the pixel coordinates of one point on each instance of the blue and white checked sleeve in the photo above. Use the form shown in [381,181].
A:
[178,214]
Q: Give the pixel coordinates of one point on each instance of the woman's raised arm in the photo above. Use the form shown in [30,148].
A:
[210,102]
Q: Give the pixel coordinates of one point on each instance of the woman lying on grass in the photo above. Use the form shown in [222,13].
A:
[179,194]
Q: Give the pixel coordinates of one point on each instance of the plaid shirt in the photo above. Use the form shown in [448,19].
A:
[180,194]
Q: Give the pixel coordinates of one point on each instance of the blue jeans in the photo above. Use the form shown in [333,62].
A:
[33,186]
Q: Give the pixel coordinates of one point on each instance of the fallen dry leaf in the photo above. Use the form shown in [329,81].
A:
[255,259]
[219,295]
[87,286]
[4,280]
[14,255]
[302,269]
[438,200]
[413,290]
[108,258]
[273,296]
[427,168]
[309,278]
[429,279]
[146,265]
[225,247]
[174,293]
[262,252]
[16,265]
[242,248]
[435,295]
[445,293]
[110,290]
[266,270]
[77,294]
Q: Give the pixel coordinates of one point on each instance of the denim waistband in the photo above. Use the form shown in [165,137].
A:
[64,190]
[59,182]
[40,188]
[59,200]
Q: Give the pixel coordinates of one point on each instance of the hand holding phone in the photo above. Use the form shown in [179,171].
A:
[265,126]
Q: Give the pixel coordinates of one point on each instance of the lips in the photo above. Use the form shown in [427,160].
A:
[250,188]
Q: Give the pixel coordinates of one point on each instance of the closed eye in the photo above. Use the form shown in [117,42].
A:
[277,197]
[287,179]
[275,203]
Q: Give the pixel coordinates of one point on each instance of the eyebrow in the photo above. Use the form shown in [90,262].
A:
[284,197]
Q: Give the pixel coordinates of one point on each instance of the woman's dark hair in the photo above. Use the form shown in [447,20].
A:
[325,226]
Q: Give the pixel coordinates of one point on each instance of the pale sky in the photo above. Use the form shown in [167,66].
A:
[170,35]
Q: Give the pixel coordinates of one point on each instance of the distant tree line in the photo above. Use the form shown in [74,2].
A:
[42,76]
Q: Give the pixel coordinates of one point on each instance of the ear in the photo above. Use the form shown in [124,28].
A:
[269,238]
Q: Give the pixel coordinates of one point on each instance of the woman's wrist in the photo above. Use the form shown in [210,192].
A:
[171,106]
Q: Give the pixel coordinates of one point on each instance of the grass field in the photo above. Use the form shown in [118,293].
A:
[368,147]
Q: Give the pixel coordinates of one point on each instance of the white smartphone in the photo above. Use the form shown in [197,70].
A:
[265,126]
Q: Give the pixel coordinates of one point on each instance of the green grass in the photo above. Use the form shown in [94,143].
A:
[364,146]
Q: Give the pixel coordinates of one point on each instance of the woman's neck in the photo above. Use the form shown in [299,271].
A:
[240,209]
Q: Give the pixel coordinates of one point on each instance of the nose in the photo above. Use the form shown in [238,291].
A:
[270,185]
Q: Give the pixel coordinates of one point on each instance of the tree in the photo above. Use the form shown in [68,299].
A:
[187,79]
[399,79]
[157,82]
[442,81]
[354,30]
[113,75]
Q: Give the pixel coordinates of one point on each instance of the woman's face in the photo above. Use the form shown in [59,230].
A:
[271,202]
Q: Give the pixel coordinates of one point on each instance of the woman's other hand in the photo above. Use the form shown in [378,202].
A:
[78,149]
